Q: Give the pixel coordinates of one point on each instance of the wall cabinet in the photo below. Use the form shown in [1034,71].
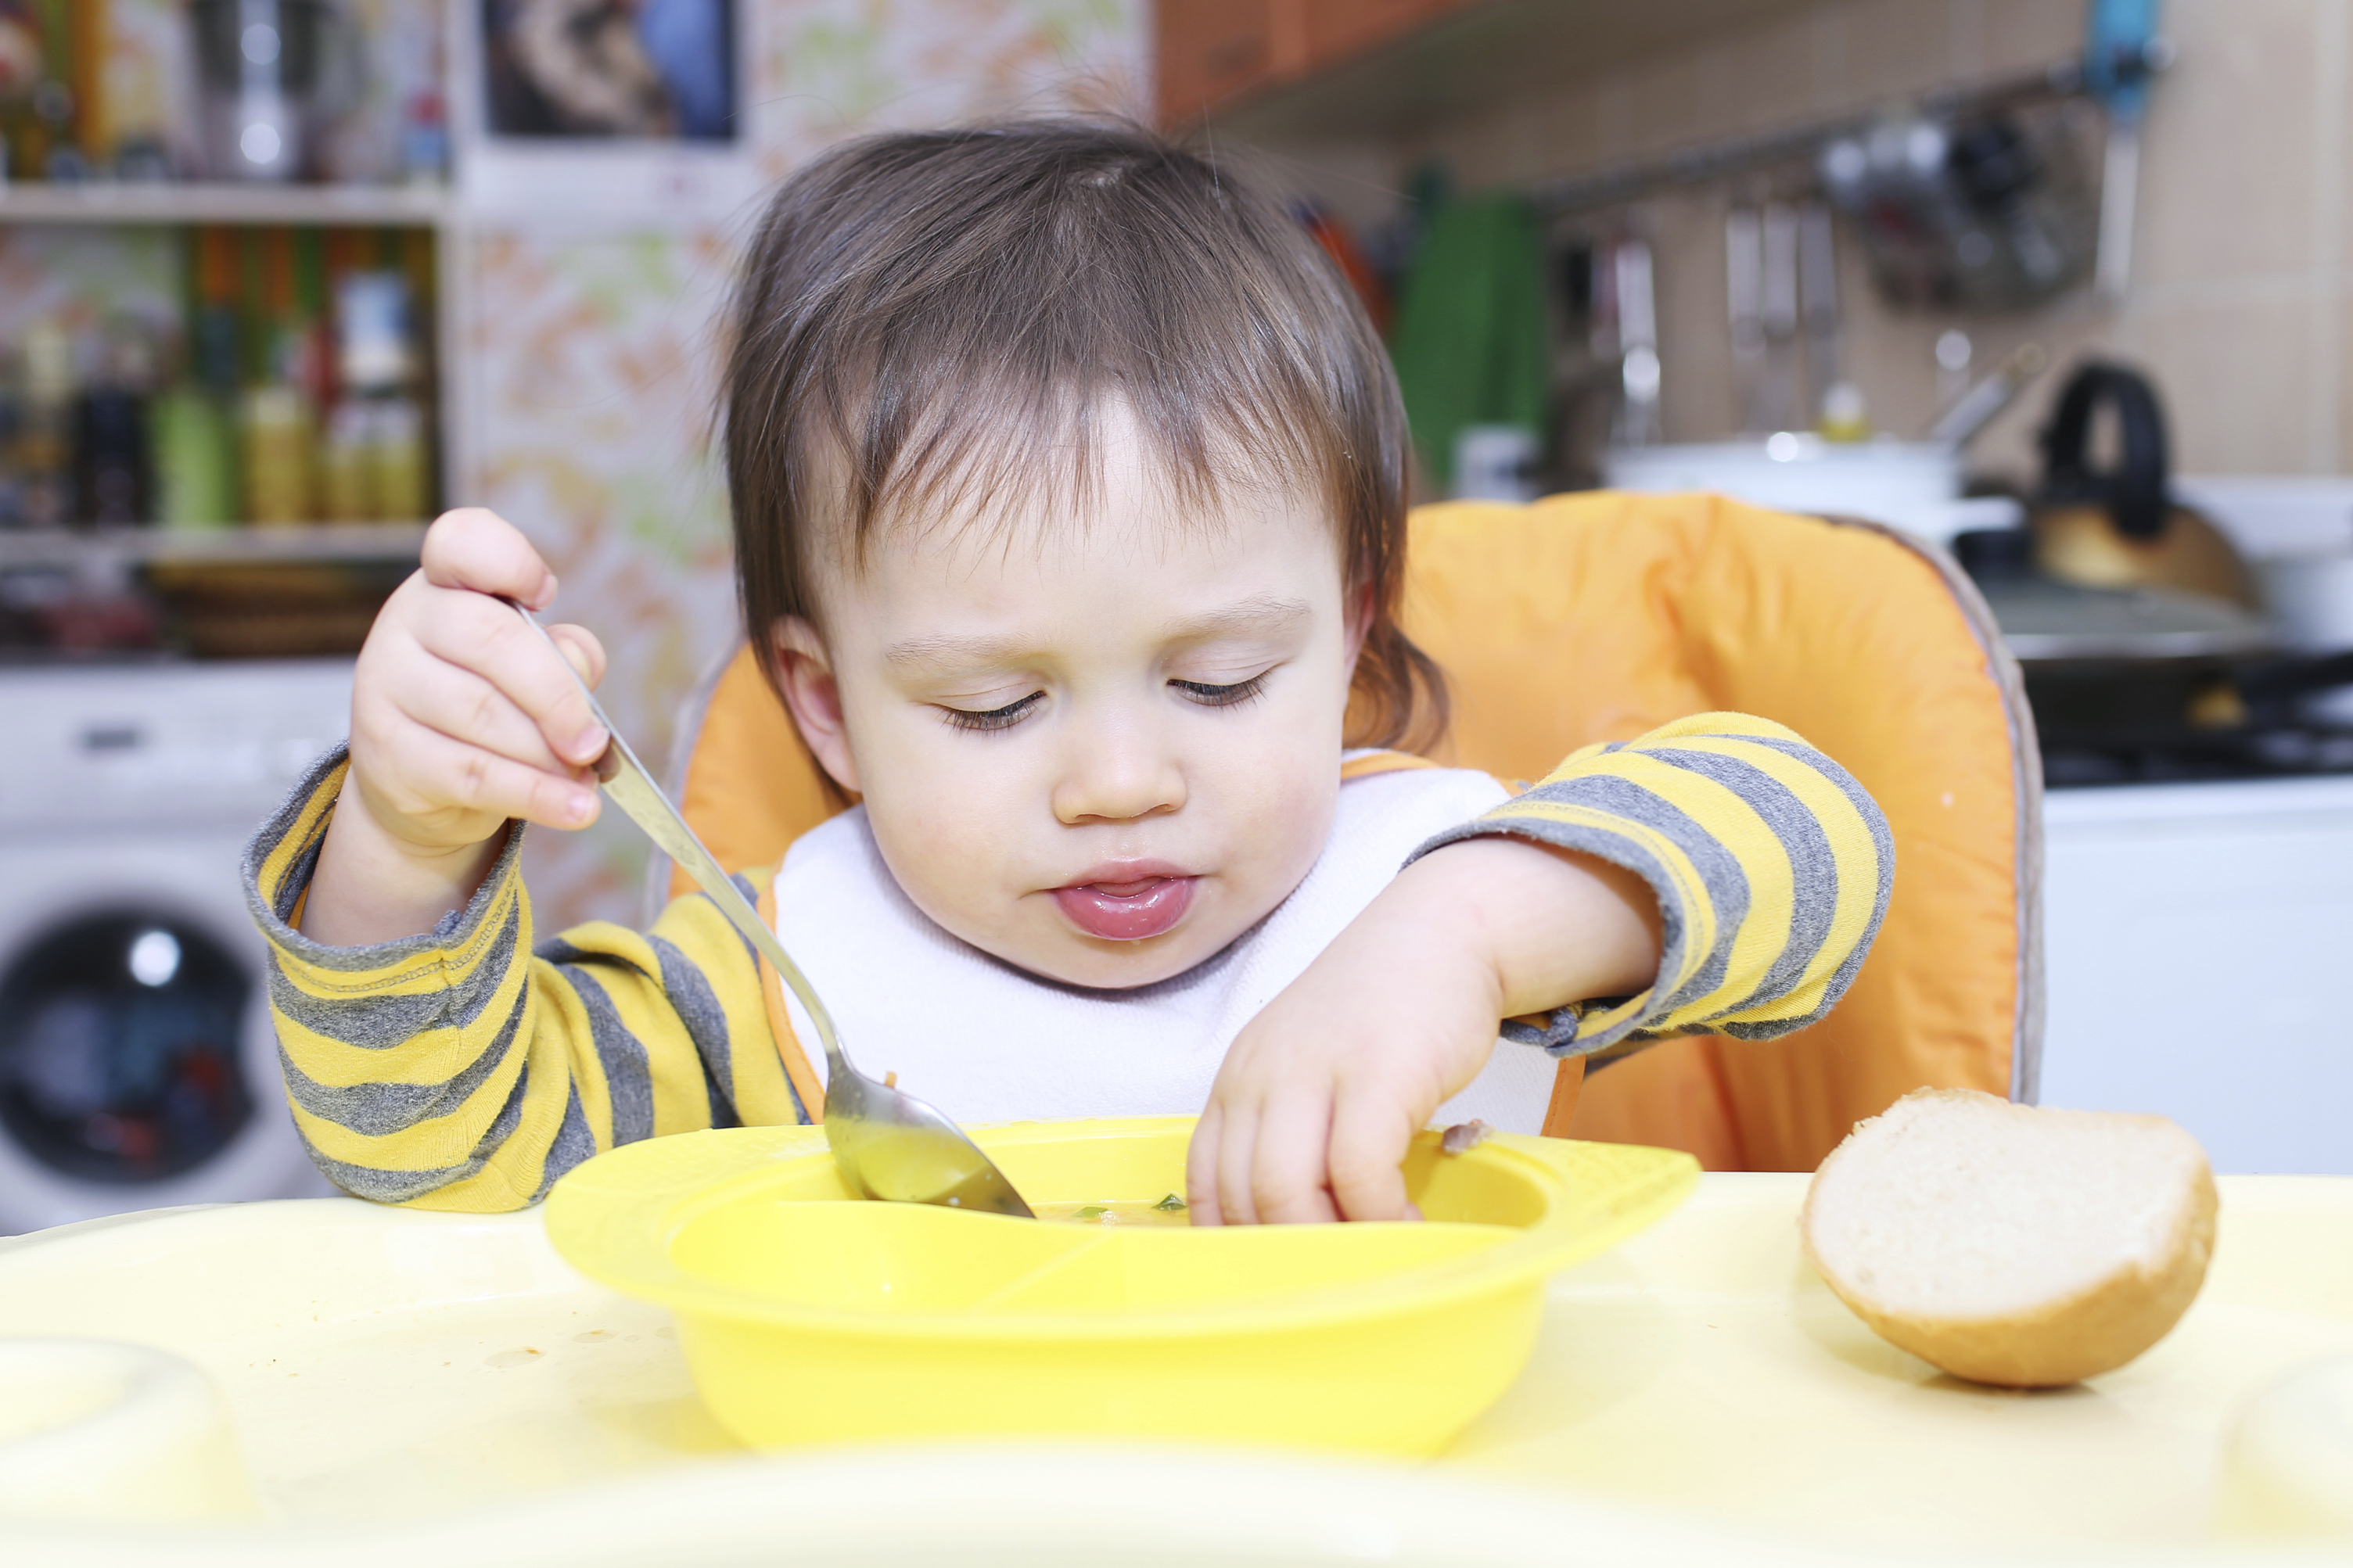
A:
[1213,51]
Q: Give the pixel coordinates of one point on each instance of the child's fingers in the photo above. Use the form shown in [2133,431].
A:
[1236,1151]
[1369,1138]
[1288,1167]
[1201,1167]
[466,707]
[476,633]
[479,781]
[476,549]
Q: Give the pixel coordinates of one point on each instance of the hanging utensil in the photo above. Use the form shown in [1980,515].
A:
[1637,339]
[1744,286]
[2123,50]
[1987,213]
[1778,314]
[1818,308]
[1976,408]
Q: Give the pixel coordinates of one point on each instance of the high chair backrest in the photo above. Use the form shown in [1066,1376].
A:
[1597,616]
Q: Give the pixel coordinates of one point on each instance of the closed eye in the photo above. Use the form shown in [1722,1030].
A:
[1003,718]
[1232,696]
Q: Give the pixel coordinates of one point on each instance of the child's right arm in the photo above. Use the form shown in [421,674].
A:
[433,1054]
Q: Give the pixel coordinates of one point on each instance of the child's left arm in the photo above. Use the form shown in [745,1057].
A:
[1717,875]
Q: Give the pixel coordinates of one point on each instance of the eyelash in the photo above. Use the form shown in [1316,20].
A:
[1003,718]
[1232,696]
[1208,696]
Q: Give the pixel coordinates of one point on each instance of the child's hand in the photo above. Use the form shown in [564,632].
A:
[1321,1093]
[462,721]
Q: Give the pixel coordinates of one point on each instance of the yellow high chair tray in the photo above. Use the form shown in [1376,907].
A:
[393,1387]
[808,1316]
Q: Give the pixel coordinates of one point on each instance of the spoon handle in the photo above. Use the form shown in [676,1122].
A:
[643,801]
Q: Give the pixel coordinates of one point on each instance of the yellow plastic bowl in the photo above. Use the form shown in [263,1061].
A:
[810,1317]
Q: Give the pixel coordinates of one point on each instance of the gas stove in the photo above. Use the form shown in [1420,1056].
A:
[2186,720]
[2286,749]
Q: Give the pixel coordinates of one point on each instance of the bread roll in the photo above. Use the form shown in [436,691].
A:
[2009,1245]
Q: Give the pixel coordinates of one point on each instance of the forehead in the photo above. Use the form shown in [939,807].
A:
[1108,507]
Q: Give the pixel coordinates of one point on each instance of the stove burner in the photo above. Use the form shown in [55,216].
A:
[2185,756]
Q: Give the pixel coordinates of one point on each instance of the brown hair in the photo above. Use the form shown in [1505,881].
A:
[936,320]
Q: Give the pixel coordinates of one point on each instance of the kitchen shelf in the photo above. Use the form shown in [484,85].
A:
[101,202]
[252,545]
[1466,60]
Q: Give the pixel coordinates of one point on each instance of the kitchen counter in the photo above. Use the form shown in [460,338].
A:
[412,1387]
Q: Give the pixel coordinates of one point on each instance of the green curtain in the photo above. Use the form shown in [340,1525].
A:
[1470,340]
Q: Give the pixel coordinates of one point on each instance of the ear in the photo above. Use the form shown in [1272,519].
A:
[814,698]
[1360,623]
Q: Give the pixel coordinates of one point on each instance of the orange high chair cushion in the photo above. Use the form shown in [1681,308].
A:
[751,785]
[1597,616]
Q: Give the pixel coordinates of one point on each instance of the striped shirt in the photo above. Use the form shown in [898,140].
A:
[467,1069]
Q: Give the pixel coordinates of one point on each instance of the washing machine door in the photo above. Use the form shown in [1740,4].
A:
[138,1066]
[121,1038]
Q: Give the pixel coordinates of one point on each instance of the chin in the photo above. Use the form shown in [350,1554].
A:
[1102,965]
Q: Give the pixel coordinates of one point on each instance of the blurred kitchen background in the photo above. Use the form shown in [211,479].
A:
[280,278]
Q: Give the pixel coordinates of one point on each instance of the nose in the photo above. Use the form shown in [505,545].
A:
[1116,768]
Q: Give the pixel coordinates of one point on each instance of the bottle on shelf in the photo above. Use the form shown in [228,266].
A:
[44,455]
[21,62]
[344,483]
[277,416]
[12,420]
[196,421]
[425,137]
[56,47]
[114,479]
[403,461]
[196,459]
[276,448]
[376,459]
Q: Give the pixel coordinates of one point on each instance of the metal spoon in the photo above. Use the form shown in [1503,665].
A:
[889,1144]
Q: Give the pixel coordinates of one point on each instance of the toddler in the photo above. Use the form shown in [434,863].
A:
[1069,487]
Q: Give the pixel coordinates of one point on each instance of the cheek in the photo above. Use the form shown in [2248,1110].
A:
[941,808]
[1284,792]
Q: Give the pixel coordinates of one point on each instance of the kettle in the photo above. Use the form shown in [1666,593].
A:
[2119,528]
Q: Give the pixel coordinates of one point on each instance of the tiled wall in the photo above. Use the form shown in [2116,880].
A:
[2238,302]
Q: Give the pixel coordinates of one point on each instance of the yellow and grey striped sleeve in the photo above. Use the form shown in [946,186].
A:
[460,1069]
[1771,865]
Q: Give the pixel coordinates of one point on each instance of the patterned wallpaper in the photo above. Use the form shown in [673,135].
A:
[595,357]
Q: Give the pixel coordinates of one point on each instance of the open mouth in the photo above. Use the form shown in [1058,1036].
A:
[1132,911]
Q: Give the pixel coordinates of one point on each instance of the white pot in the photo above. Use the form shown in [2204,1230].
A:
[1912,484]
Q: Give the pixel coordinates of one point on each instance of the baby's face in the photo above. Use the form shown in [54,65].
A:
[1100,753]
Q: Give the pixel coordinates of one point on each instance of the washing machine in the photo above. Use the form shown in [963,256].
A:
[138,1068]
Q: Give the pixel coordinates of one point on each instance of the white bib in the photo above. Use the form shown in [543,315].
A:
[985,1041]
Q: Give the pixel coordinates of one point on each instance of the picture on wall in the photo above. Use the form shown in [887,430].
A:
[659,70]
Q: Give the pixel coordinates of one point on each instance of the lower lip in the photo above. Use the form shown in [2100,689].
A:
[1133,912]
